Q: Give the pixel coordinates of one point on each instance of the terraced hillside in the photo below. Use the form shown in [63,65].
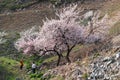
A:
[34,14]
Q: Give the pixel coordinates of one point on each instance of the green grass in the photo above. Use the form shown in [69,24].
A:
[50,59]
[5,74]
[77,47]
[5,61]
[7,68]
[10,69]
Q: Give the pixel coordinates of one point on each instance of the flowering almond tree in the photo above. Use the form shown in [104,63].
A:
[63,34]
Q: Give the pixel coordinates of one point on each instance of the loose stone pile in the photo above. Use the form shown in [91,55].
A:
[107,68]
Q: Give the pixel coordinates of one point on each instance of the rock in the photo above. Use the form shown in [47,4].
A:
[29,72]
[118,63]
[106,59]
[79,77]
[117,56]
[75,74]
[109,62]
[105,68]
[107,78]
[88,14]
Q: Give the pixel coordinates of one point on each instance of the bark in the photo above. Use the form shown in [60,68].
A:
[58,54]
[59,58]
[67,57]
[68,53]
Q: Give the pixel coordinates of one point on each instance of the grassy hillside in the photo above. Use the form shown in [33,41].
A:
[5,74]
[9,69]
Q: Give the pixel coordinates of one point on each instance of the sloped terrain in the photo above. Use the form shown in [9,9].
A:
[34,15]
[99,68]
[81,59]
[25,18]
[22,20]
[9,70]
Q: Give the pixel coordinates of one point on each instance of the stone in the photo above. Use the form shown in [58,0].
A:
[104,68]
[88,14]
[79,77]
[117,56]
[109,62]
[76,73]
[118,63]
[106,59]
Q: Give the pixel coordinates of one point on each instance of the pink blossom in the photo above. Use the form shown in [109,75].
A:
[64,33]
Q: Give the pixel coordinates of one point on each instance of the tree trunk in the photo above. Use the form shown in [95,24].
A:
[58,62]
[67,57]
[59,58]
[68,53]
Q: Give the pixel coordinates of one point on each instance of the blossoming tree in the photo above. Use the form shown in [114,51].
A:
[63,34]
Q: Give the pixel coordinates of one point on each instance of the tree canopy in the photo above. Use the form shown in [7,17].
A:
[64,33]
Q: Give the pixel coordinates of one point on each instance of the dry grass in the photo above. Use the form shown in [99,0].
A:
[113,9]
[33,15]
[111,6]
[82,52]
[25,19]
[115,30]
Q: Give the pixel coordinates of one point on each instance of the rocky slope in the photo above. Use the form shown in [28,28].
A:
[103,67]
